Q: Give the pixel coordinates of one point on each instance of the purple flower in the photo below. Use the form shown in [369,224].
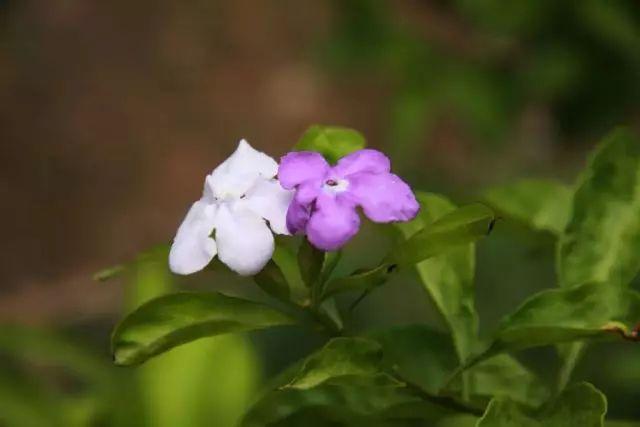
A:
[326,198]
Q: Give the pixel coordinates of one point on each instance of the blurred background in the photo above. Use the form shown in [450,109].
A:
[113,112]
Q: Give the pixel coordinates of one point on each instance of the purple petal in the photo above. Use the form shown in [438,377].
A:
[366,160]
[384,197]
[301,206]
[301,166]
[333,222]
[297,217]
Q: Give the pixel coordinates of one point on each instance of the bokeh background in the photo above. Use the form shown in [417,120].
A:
[112,113]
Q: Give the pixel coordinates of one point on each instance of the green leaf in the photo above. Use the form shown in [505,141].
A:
[602,239]
[458,228]
[504,376]
[427,358]
[334,403]
[211,378]
[448,277]
[175,319]
[539,204]
[310,261]
[365,280]
[418,353]
[272,281]
[340,357]
[581,405]
[569,314]
[331,141]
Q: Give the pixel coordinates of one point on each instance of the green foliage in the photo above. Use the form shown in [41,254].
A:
[340,357]
[448,278]
[171,320]
[411,374]
[460,227]
[540,204]
[331,141]
[581,406]
[602,239]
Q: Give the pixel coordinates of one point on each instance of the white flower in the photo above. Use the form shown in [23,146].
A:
[240,201]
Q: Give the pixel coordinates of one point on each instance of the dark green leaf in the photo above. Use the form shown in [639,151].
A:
[340,357]
[427,358]
[602,239]
[272,281]
[581,405]
[504,376]
[539,204]
[331,141]
[341,403]
[448,277]
[458,228]
[175,319]
[418,353]
[310,261]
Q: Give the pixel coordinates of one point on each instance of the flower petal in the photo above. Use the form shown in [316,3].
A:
[301,166]
[366,160]
[270,201]
[300,208]
[384,197]
[333,222]
[193,248]
[236,175]
[245,243]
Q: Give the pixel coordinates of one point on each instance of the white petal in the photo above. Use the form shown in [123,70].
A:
[245,243]
[236,175]
[270,201]
[193,248]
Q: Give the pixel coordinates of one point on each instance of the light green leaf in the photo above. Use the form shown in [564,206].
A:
[332,142]
[570,314]
[581,405]
[602,239]
[539,204]
[458,228]
[448,277]
[340,357]
[175,319]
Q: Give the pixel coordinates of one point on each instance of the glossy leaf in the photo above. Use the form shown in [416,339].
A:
[602,239]
[339,358]
[175,319]
[539,204]
[458,228]
[448,277]
[581,405]
[332,142]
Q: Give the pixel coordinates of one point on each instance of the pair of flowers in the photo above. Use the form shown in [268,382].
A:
[249,196]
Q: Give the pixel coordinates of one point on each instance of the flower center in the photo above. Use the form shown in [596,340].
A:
[335,186]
